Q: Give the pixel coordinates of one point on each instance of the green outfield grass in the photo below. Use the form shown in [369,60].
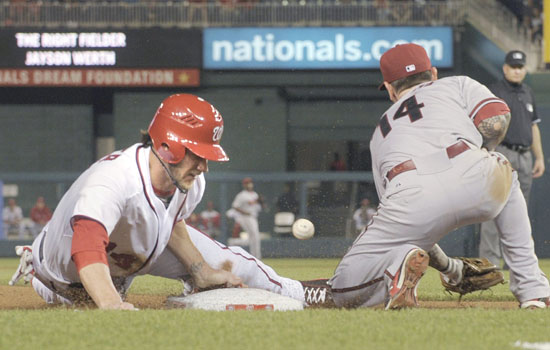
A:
[464,328]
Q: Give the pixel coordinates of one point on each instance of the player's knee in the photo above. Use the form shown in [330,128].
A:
[46,294]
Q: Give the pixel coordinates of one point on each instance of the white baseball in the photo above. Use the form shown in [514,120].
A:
[303,229]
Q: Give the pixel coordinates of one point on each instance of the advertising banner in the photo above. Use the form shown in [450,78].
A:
[318,48]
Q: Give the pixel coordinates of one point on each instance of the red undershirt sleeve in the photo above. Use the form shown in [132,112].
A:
[490,110]
[89,242]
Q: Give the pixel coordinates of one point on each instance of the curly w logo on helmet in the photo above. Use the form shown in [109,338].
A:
[217,131]
[185,121]
[192,120]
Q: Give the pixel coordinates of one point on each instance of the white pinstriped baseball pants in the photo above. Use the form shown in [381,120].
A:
[252,271]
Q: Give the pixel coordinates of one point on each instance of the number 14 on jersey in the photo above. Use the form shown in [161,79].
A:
[410,107]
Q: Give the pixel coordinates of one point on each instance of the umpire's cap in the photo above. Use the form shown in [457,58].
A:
[515,58]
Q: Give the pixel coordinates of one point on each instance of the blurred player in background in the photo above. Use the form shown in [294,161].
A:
[125,216]
[522,144]
[247,205]
[363,215]
[435,170]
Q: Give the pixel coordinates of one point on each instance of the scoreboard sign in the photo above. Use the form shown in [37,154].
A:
[120,57]
[100,77]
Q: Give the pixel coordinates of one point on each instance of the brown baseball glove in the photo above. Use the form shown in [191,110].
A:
[477,274]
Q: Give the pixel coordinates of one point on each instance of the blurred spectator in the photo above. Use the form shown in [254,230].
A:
[402,12]
[536,25]
[382,10]
[194,220]
[16,11]
[12,217]
[432,11]
[287,201]
[528,13]
[197,11]
[363,215]
[517,7]
[337,164]
[211,220]
[40,215]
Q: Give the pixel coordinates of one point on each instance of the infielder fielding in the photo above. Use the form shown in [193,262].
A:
[125,216]
[435,170]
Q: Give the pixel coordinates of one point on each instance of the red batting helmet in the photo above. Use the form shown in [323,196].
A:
[187,121]
[247,180]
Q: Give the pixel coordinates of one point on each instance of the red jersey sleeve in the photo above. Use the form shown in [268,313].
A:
[489,110]
[89,242]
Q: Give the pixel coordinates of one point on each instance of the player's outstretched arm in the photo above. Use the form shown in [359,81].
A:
[96,278]
[90,258]
[204,276]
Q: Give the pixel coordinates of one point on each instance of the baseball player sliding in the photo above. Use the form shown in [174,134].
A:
[435,170]
[125,216]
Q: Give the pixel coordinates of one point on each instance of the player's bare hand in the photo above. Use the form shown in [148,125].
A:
[234,282]
[208,277]
[538,168]
[226,278]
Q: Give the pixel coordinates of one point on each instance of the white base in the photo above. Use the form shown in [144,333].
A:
[229,299]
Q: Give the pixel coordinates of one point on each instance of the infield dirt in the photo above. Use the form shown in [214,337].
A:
[24,297]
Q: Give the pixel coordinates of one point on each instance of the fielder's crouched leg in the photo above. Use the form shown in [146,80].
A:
[365,280]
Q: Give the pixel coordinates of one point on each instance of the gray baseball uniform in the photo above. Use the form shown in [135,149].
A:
[453,182]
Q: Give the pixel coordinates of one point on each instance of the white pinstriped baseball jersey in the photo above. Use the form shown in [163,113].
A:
[116,192]
[247,201]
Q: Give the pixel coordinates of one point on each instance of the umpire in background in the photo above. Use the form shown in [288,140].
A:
[522,143]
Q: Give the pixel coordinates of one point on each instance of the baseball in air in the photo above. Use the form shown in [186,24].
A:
[303,229]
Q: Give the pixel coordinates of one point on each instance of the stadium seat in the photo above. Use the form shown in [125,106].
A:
[283,223]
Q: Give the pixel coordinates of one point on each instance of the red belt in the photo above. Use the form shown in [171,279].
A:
[452,151]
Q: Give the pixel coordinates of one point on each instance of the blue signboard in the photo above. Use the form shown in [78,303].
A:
[318,48]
